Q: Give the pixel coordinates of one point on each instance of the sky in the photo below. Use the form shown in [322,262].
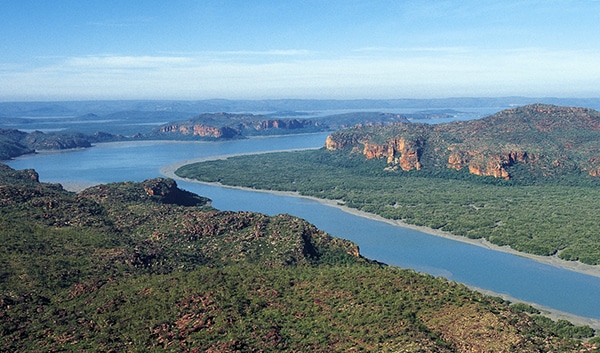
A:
[309,49]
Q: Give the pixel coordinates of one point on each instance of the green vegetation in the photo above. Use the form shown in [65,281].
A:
[14,143]
[528,144]
[147,267]
[538,219]
[548,206]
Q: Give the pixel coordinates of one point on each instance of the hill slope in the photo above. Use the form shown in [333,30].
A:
[149,267]
[226,125]
[537,140]
[14,143]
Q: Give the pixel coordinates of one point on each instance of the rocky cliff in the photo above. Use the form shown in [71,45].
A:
[226,125]
[198,130]
[548,140]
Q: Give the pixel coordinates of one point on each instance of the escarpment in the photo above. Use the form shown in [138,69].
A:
[545,139]
[226,125]
[487,163]
[190,129]
[399,152]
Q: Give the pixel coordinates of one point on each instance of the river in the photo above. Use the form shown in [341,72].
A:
[499,272]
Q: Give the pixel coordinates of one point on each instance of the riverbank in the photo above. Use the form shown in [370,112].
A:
[169,171]
[576,266]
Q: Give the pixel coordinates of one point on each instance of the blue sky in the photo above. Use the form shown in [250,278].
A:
[257,49]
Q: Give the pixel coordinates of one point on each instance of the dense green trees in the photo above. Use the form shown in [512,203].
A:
[144,267]
[549,217]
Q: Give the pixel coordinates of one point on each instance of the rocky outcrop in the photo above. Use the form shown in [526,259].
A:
[198,130]
[594,166]
[404,153]
[332,144]
[398,152]
[41,141]
[157,190]
[551,140]
[14,143]
[486,163]
[9,175]
[226,125]
[285,124]
[340,141]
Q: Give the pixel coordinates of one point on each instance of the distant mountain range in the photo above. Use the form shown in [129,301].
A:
[75,108]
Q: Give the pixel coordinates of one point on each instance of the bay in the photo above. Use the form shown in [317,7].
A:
[490,270]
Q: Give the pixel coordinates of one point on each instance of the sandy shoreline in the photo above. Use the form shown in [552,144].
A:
[169,171]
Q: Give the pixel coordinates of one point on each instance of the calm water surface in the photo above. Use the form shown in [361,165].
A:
[491,270]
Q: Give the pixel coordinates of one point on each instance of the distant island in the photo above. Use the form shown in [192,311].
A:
[525,177]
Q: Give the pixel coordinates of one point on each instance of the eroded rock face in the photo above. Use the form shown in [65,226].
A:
[486,163]
[331,144]
[404,153]
[491,167]
[594,162]
[400,152]
[198,130]
[226,125]
[373,151]
[551,140]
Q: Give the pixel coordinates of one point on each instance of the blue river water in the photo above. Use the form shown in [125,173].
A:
[499,272]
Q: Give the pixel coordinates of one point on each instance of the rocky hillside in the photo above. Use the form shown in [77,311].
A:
[149,267]
[536,140]
[207,126]
[226,125]
[14,143]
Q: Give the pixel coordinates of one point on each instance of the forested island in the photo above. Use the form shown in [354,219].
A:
[525,177]
[149,267]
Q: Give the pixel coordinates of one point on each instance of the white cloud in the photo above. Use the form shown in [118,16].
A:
[376,74]
[391,50]
[108,61]
[284,52]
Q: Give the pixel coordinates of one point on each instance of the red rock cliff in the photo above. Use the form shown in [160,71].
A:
[398,151]
[485,163]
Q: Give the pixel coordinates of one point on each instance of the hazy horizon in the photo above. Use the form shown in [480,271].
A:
[188,50]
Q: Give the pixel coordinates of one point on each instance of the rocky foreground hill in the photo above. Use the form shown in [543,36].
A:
[150,267]
[535,140]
